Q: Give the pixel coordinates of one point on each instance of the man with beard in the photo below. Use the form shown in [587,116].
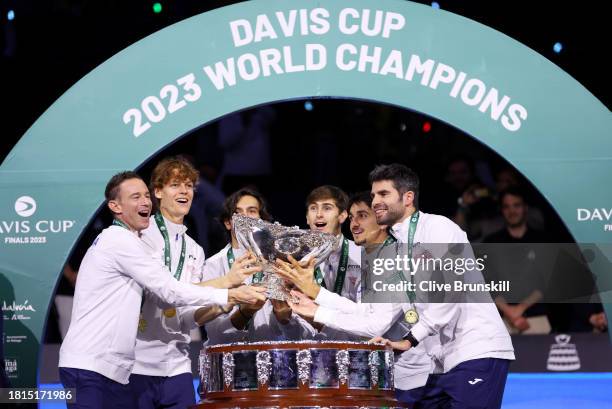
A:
[471,347]
[366,232]
[162,376]
[97,355]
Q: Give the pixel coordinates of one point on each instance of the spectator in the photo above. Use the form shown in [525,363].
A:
[245,140]
[516,263]
[469,202]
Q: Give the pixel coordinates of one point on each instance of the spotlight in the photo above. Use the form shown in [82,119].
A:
[435,5]
[426,126]
[157,8]
[557,47]
[308,106]
[10,15]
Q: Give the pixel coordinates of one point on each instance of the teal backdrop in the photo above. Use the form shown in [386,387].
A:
[395,52]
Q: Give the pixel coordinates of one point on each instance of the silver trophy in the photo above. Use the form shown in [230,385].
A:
[269,241]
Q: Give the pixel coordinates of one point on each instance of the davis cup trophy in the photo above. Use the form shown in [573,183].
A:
[293,374]
[269,241]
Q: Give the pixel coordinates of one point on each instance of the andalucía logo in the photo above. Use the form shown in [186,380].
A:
[19,312]
[25,229]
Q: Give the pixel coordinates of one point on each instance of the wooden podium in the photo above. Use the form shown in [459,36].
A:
[297,375]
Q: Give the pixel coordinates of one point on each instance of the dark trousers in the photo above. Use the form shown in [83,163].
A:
[154,392]
[410,396]
[474,384]
[95,391]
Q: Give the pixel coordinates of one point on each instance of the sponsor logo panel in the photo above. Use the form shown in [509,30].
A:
[27,229]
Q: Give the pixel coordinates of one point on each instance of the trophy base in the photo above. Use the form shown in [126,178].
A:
[306,402]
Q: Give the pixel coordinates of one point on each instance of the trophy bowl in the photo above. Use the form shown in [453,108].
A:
[271,241]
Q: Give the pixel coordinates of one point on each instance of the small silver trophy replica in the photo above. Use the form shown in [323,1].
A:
[269,241]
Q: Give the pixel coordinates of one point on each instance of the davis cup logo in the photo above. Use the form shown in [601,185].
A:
[25,206]
[31,230]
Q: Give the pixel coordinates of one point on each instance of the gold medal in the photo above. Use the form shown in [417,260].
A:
[142,324]
[411,316]
[170,312]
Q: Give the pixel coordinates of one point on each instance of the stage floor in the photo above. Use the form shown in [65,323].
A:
[532,391]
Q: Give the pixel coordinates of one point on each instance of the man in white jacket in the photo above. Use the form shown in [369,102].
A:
[412,367]
[471,346]
[162,376]
[340,273]
[269,320]
[97,355]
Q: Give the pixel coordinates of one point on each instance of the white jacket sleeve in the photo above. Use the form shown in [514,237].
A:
[222,331]
[367,320]
[134,261]
[333,301]
[432,317]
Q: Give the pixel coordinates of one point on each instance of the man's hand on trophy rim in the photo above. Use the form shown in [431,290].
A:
[306,270]
[302,268]
[303,278]
[307,264]
[247,258]
[242,268]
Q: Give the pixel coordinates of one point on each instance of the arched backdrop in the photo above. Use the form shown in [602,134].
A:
[477,79]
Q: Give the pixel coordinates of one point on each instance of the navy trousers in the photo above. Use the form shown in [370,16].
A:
[156,392]
[95,391]
[474,384]
[410,396]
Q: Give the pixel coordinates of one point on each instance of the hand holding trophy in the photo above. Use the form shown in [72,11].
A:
[272,241]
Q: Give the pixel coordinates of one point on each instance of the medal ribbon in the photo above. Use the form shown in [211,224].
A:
[117,222]
[389,240]
[340,273]
[167,258]
[414,219]
[411,232]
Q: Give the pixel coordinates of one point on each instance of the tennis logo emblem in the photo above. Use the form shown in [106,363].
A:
[25,206]
[563,355]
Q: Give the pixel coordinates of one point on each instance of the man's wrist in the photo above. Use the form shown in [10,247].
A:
[226,309]
[410,338]
[226,282]
[312,290]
